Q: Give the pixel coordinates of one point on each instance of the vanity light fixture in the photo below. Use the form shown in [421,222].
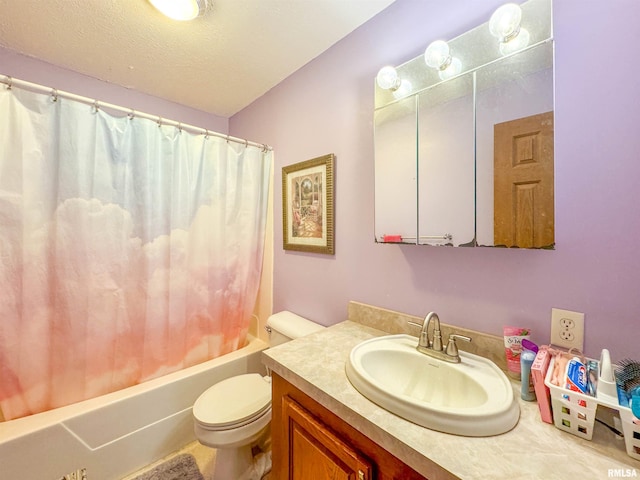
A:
[388,79]
[505,26]
[181,9]
[454,68]
[404,89]
[438,56]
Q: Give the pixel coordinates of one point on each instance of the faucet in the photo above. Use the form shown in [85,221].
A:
[433,347]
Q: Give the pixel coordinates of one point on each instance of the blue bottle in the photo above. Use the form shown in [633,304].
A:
[527,391]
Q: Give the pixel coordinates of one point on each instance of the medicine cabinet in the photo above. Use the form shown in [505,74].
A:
[464,152]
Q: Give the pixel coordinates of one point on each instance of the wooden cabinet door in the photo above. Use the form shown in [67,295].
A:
[523,182]
[332,447]
[315,452]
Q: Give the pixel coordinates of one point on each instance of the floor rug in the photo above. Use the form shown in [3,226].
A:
[181,467]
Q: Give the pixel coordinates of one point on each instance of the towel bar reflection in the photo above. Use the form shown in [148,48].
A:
[446,236]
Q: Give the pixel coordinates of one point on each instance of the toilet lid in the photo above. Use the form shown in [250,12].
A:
[234,400]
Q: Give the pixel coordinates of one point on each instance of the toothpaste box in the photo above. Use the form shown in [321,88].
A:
[577,378]
[543,395]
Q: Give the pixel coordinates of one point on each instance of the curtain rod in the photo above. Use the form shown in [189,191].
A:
[14,82]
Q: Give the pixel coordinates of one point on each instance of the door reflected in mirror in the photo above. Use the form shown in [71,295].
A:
[523,182]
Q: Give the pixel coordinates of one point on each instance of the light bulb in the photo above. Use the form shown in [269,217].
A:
[388,79]
[515,44]
[180,9]
[453,69]
[403,90]
[437,54]
[505,22]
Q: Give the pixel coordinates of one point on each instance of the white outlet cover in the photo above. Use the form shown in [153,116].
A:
[567,329]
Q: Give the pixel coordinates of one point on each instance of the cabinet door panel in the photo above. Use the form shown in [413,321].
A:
[382,464]
[315,452]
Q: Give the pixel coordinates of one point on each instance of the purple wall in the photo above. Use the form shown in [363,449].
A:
[48,75]
[327,106]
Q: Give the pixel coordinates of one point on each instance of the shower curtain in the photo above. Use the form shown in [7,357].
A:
[128,249]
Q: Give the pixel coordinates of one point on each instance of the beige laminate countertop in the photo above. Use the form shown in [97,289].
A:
[532,450]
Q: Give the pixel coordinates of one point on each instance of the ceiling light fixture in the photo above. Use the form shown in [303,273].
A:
[505,26]
[181,9]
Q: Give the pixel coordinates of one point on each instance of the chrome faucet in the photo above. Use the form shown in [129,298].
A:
[433,347]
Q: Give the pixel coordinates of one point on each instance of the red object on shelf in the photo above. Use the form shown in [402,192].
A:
[391,238]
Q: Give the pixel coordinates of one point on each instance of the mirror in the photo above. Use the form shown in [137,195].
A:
[446,206]
[467,159]
[395,171]
[514,151]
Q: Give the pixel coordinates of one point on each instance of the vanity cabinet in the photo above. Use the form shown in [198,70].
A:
[312,443]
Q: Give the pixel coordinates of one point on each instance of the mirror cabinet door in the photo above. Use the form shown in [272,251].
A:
[514,150]
[396,172]
[446,179]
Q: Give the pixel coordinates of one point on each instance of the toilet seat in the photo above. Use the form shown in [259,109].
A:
[234,402]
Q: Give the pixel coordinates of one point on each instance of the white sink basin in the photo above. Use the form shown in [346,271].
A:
[472,398]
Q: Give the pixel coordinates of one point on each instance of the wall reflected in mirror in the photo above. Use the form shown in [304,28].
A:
[396,206]
[445,162]
[468,160]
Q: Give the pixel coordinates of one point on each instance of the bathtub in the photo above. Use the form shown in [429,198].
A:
[116,434]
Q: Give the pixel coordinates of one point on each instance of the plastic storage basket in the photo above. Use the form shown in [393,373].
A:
[575,413]
[631,432]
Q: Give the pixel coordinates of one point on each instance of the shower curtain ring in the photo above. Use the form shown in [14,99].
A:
[131,114]
[227,137]
[206,134]
[246,143]
[159,122]
[9,82]
[179,128]
[54,95]
[95,107]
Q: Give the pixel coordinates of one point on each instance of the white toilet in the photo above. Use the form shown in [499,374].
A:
[234,414]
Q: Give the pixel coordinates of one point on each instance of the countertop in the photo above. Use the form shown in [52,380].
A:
[532,450]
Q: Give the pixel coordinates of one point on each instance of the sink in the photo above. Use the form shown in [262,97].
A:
[471,398]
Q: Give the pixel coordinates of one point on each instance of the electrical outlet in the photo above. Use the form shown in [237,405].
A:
[567,329]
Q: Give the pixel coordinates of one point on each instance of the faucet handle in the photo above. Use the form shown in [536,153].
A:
[452,348]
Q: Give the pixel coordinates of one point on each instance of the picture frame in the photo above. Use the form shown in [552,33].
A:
[308,206]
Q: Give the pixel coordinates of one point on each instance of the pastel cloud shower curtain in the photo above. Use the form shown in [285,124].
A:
[128,249]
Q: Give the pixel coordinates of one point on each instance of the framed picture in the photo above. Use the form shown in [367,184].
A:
[307,205]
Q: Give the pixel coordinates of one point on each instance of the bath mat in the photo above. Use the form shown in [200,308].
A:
[181,467]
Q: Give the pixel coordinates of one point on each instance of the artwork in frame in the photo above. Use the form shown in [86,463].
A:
[307,205]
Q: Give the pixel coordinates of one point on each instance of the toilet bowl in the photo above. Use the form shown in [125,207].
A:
[234,415]
[233,412]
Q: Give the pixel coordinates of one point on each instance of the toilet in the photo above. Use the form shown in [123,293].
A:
[233,415]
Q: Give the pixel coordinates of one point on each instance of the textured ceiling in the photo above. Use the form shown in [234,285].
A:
[218,63]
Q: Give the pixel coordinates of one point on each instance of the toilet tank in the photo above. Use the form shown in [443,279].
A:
[284,326]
